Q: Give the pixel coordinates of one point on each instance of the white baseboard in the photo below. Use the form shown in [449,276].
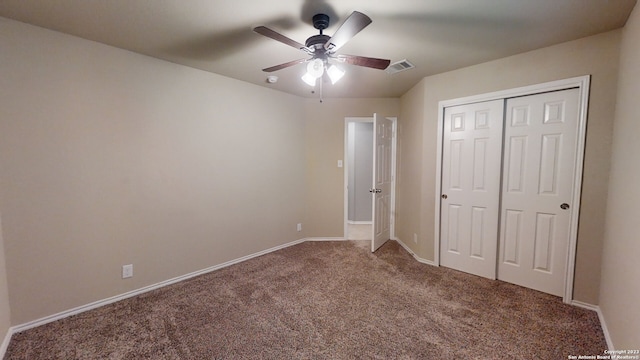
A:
[97,304]
[5,343]
[61,315]
[325,239]
[360,222]
[603,323]
[581,304]
[418,259]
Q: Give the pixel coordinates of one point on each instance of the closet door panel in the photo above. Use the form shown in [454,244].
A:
[472,148]
[539,161]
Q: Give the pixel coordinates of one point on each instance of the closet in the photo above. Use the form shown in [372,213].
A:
[510,173]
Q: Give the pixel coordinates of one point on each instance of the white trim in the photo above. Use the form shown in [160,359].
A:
[436,227]
[416,257]
[394,149]
[583,85]
[326,239]
[359,222]
[61,315]
[574,82]
[346,165]
[394,154]
[142,290]
[5,342]
[580,82]
[603,323]
[605,329]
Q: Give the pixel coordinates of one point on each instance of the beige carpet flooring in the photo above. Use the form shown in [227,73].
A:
[324,300]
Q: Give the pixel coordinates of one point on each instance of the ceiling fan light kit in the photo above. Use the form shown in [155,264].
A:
[322,48]
[315,68]
[309,79]
[335,73]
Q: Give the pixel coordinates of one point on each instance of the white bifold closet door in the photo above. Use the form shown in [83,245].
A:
[472,148]
[537,187]
[507,184]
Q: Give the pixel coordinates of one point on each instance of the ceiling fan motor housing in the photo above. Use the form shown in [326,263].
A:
[317,42]
[320,21]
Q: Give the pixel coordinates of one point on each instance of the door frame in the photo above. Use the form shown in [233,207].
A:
[394,142]
[580,82]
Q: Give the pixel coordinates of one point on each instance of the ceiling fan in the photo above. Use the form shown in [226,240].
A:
[322,48]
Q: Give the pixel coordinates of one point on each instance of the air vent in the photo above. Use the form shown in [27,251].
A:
[398,66]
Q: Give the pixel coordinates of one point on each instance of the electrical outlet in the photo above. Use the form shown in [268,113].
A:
[299,227]
[415,238]
[127,271]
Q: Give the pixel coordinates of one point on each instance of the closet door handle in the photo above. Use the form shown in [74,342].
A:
[564,206]
[444,196]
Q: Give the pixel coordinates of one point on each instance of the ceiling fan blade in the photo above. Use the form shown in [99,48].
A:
[375,63]
[263,30]
[285,65]
[349,28]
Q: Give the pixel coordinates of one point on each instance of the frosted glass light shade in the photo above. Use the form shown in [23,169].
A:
[309,79]
[315,68]
[335,74]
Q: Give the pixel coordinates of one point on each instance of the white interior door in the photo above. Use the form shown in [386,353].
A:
[382,168]
[470,199]
[539,161]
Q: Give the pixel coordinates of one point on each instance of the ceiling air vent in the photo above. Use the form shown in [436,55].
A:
[398,66]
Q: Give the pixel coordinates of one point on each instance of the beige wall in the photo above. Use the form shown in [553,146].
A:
[324,146]
[596,55]
[110,158]
[620,289]
[409,169]
[5,310]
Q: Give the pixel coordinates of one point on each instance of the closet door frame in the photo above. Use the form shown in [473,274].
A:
[580,82]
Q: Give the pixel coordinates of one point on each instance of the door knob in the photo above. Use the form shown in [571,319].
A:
[372,190]
[444,196]
[564,206]
[376,191]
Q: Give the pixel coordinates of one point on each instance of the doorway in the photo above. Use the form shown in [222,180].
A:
[508,196]
[358,177]
[369,178]
[360,157]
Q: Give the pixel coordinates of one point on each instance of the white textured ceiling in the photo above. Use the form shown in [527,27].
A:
[217,36]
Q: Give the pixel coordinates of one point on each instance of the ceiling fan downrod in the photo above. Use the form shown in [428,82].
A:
[316,42]
[320,22]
